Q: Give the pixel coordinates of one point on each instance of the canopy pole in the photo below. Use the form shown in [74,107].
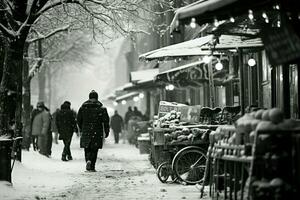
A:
[211,83]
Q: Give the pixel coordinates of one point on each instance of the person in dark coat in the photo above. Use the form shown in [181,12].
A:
[66,126]
[128,115]
[93,122]
[116,124]
[137,113]
[54,127]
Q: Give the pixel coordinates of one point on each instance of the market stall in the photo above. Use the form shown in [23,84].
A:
[179,143]
[257,158]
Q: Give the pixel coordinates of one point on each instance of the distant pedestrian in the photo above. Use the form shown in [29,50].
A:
[74,114]
[117,125]
[41,129]
[128,115]
[66,126]
[137,113]
[93,122]
[54,126]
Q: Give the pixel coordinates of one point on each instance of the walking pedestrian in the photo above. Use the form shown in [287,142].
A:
[93,122]
[66,126]
[40,129]
[128,115]
[137,113]
[54,126]
[116,124]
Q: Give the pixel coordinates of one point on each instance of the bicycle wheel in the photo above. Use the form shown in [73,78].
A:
[164,172]
[189,165]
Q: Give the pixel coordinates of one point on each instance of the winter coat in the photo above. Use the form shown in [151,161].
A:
[93,122]
[53,123]
[128,115]
[40,123]
[66,123]
[116,123]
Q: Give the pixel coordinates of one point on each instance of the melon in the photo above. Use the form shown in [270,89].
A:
[288,124]
[258,114]
[254,124]
[265,115]
[265,126]
[276,115]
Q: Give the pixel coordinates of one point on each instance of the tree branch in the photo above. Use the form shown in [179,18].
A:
[42,37]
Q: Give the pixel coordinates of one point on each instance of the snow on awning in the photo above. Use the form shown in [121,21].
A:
[188,48]
[121,88]
[127,96]
[207,10]
[234,41]
[143,75]
[189,74]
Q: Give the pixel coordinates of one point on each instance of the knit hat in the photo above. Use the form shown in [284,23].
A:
[93,95]
[40,104]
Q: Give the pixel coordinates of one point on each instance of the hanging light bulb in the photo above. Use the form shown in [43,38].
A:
[179,59]
[123,102]
[136,98]
[232,19]
[206,59]
[193,23]
[251,62]
[167,87]
[278,23]
[219,66]
[141,95]
[115,103]
[171,87]
[250,15]
[267,20]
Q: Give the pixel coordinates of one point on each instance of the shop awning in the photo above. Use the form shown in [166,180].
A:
[201,46]
[127,96]
[189,74]
[234,41]
[188,48]
[143,75]
[207,10]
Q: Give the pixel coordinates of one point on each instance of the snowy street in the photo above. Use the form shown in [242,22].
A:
[122,173]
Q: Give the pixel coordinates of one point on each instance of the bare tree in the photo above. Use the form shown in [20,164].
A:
[18,19]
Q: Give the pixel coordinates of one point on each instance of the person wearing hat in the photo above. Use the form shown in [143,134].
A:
[40,129]
[93,123]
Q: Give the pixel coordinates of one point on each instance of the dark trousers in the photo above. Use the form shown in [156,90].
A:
[67,150]
[116,136]
[34,141]
[91,155]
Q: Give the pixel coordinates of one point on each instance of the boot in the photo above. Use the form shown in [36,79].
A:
[63,158]
[69,157]
[88,165]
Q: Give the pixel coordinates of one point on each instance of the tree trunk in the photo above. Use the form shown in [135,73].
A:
[42,74]
[26,102]
[11,88]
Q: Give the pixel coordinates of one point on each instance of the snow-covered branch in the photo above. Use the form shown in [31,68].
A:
[42,37]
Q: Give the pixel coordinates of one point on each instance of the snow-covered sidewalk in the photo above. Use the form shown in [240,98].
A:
[122,174]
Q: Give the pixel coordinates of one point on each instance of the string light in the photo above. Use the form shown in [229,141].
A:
[250,15]
[171,36]
[278,23]
[141,95]
[267,20]
[115,103]
[232,19]
[264,15]
[136,99]
[277,7]
[171,87]
[123,102]
[193,23]
[179,59]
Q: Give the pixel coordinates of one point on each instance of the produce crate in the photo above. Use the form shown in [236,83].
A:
[275,169]
[159,136]
[144,145]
